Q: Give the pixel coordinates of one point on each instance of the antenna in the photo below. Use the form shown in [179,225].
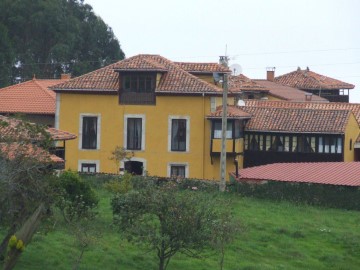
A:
[236,69]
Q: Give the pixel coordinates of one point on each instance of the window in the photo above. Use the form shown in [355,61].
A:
[134,135]
[138,82]
[89,132]
[178,133]
[212,104]
[88,167]
[175,169]
[218,130]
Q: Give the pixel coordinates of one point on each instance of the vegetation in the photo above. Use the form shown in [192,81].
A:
[276,235]
[164,219]
[345,197]
[25,184]
[51,37]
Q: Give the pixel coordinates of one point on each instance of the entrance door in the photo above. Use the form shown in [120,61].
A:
[134,167]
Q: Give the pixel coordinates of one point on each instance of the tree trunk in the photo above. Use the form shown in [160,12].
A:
[25,234]
[5,242]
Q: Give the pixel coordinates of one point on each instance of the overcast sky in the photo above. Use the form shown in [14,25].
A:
[321,34]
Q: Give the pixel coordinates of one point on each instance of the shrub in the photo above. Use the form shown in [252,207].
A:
[77,198]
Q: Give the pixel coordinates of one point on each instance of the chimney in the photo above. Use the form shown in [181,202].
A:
[65,76]
[308,96]
[270,73]
[224,61]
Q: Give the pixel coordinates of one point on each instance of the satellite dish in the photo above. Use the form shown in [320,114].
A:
[241,103]
[236,69]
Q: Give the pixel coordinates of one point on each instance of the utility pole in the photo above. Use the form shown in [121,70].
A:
[224,61]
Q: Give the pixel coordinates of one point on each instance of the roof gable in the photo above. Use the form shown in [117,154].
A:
[309,80]
[287,92]
[242,83]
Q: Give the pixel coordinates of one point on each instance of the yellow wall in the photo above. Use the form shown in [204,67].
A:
[156,151]
[351,133]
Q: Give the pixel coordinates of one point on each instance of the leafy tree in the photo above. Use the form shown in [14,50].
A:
[25,183]
[53,37]
[167,220]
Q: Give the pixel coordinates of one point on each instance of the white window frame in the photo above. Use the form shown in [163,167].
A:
[90,161]
[186,164]
[142,116]
[98,132]
[187,118]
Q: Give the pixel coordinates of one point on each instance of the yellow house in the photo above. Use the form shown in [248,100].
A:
[154,108]
[164,113]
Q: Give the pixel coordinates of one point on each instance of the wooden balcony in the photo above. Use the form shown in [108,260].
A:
[233,146]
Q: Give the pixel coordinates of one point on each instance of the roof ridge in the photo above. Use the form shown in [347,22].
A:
[176,67]
[44,89]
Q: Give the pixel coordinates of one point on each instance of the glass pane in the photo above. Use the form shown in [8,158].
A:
[339,146]
[178,135]
[321,145]
[134,133]
[89,132]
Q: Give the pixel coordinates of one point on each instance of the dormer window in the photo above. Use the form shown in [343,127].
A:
[137,88]
[139,83]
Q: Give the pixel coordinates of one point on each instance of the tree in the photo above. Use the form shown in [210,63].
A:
[25,183]
[167,220]
[53,37]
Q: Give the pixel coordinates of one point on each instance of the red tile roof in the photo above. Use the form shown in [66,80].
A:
[287,92]
[309,80]
[32,97]
[12,150]
[11,129]
[331,173]
[242,83]
[232,113]
[353,107]
[297,120]
[202,67]
[174,80]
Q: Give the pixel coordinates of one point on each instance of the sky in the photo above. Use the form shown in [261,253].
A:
[323,35]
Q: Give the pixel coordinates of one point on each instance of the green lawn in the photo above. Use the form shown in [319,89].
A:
[274,236]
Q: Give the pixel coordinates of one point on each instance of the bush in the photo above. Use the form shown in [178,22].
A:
[119,184]
[344,197]
[76,197]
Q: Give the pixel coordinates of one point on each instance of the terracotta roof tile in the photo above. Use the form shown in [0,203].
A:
[32,96]
[330,173]
[296,120]
[309,80]
[12,150]
[104,79]
[12,130]
[202,67]
[242,83]
[287,92]
[353,107]
[232,113]
[174,79]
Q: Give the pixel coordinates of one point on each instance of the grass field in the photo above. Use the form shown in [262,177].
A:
[274,236]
